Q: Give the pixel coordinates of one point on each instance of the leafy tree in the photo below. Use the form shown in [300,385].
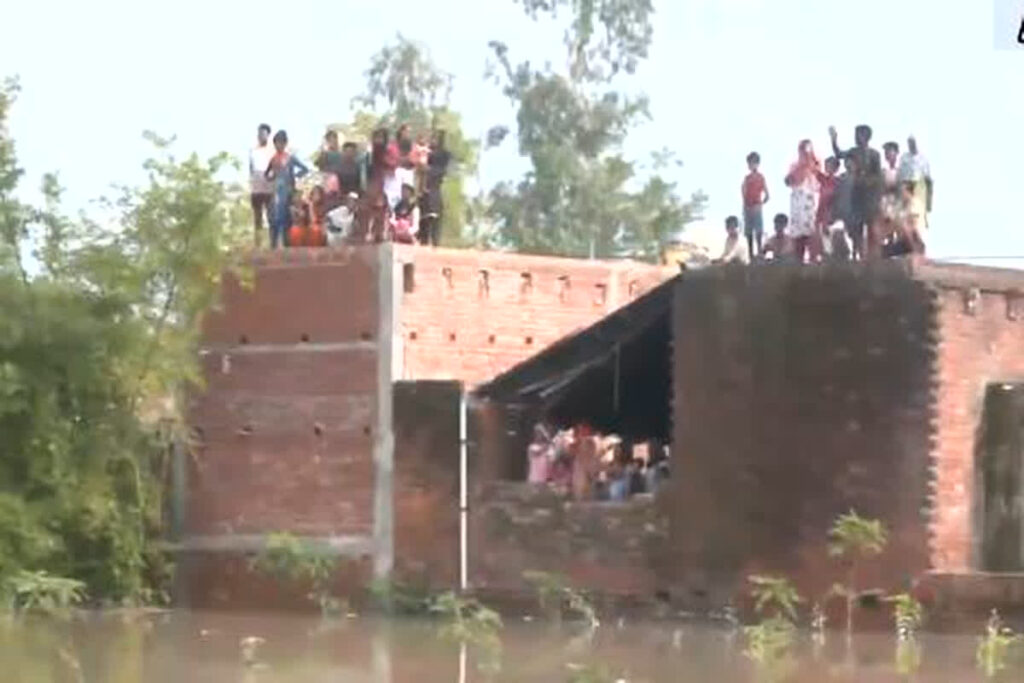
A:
[94,350]
[582,196]
[404,85]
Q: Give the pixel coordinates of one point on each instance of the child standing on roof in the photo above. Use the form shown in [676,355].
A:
[755,195]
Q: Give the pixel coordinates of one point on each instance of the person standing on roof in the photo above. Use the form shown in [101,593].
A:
[261,190]
[283,169]
[866,191]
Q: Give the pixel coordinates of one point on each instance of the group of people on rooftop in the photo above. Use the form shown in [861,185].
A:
[878,207]
[390,190]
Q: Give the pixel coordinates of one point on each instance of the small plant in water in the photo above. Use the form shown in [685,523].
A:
[854,538]
[292,561]
[769,641]
[554,593]
[395,597]
[27,591]
[995,648]
[907,617]
[467,621]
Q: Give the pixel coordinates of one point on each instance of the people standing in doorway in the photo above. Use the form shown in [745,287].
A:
[539,456]
[755,195]
[261,190]
[283,170]
[805,188]
[867,189]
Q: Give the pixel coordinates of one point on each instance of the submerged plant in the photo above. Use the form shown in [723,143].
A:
[27,591]
[296,562]
[395,597]
[995,648]
[854,538]
[770,641]
[468,622]
[818,624]
[554,593]
[907,618]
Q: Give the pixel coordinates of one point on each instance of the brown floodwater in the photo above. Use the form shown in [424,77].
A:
[200,647]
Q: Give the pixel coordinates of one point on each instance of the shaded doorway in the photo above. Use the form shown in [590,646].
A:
[1001,469]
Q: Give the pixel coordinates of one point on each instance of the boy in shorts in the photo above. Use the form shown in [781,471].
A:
[755,194]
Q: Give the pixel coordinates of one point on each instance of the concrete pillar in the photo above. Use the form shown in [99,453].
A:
[384,438]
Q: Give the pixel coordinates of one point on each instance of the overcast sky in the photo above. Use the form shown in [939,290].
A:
[725,77]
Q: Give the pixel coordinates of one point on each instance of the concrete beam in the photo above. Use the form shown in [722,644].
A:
[323,347]
[343,546]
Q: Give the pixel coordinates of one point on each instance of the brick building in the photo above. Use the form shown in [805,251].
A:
[797,393]
[789,395]
[332,386]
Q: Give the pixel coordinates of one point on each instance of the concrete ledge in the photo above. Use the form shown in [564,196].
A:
[311,347]
[343,546]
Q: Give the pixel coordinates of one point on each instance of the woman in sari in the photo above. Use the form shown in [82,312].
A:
[805,188]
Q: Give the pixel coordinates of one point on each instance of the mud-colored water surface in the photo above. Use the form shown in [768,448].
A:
[200,647]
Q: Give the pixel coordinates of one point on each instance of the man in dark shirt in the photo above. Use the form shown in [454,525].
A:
[866,191]
[437,167]
[349,171]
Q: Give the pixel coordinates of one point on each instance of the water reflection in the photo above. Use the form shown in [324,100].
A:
[251,648]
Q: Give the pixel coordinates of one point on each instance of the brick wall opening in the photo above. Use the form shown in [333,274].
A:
[1001,468]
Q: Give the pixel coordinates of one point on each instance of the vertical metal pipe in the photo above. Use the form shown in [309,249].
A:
[463,497]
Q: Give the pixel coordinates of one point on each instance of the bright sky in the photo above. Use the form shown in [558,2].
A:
[725,77]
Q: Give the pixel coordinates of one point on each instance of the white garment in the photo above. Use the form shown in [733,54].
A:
[392,189]
[913,167]
[736,252]
[340,224]
[259,160]
[393,184]
[803,207]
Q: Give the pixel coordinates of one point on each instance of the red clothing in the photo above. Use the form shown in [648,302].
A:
[753,189]
[392,156]
[828,183]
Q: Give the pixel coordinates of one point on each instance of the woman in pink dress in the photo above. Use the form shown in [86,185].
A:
[539,456]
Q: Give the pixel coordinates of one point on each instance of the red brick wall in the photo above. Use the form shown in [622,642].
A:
[287,416]
[463,330]
[605,547]
[800,393]
[426,513]
[976,348]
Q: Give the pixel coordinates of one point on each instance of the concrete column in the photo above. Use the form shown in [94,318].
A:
[384,438]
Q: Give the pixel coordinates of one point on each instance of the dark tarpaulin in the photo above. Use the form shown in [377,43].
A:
[614,375]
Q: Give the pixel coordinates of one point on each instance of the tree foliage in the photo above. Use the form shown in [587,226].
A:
[582,196]
[98,323]
[404,85]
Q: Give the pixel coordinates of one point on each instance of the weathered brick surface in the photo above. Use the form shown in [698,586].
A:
[800,393]
[454,326]
[285,427]
[606,547]
[426,512]
[300,296]
[977,346]
[227,582]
